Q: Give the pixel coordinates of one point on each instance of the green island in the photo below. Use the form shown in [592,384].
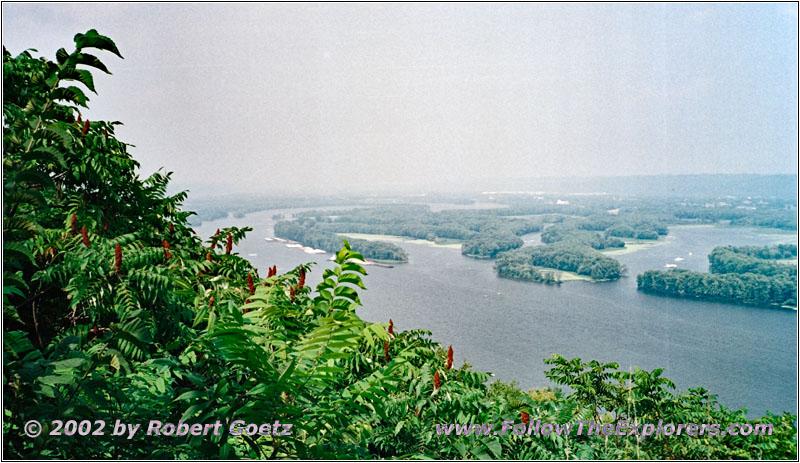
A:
[114,309]
[752,275]
[579,239]
[482,233]
[303,231]
[546,263]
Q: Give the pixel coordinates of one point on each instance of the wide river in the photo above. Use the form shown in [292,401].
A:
[747,356]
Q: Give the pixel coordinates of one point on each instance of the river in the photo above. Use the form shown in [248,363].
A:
[747,356]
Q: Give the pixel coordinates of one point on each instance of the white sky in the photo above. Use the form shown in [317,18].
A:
[274,98]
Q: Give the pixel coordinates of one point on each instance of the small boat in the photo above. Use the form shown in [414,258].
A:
[671,266]
[253,255]
[679,259]
[294,245]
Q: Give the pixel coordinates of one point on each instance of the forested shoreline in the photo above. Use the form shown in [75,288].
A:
[483,233]
[308,236]
[534,263]
[570,243]
[743,275]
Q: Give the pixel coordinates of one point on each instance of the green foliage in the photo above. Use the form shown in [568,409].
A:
[305,233]
[573,234]
[526,263]
[114,309]
[484,233]
[754,259]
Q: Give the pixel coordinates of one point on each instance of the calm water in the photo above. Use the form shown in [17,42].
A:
[745,355]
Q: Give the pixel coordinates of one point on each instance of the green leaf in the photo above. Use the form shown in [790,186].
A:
[18,251]
[61,55]
[68,364]
[91,60]
[56,379]
[81,75]
[55,135]
[46,154]
[191,395]
[353,267]
[71,93]
[352,278]
[92,39]
[347,292]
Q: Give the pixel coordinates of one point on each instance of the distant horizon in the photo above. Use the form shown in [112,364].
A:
[787,188]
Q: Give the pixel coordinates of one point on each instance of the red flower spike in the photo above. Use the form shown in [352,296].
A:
[229,245]
[208,257]
[105,132]
[449,358]
[214,240]
[85,236]
[171,228]
[391,326]
[86,127]
[525,418]
[79,118]
[105,226]
[211,302]
[250,284]
[291,293]
[117,258]
[302,281]
[436,381]
[96,331]
[74,223]
[386,351]
[166,249]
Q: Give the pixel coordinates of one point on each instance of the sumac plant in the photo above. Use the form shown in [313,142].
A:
[114,309]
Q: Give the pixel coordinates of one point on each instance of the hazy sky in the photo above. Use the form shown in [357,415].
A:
[273,97]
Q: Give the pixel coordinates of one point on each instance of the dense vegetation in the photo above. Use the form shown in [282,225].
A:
[655,213]
[527,263]
[483,233]
[114,309]
[754,259]
[573,234]
[304,232]
[737,275]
